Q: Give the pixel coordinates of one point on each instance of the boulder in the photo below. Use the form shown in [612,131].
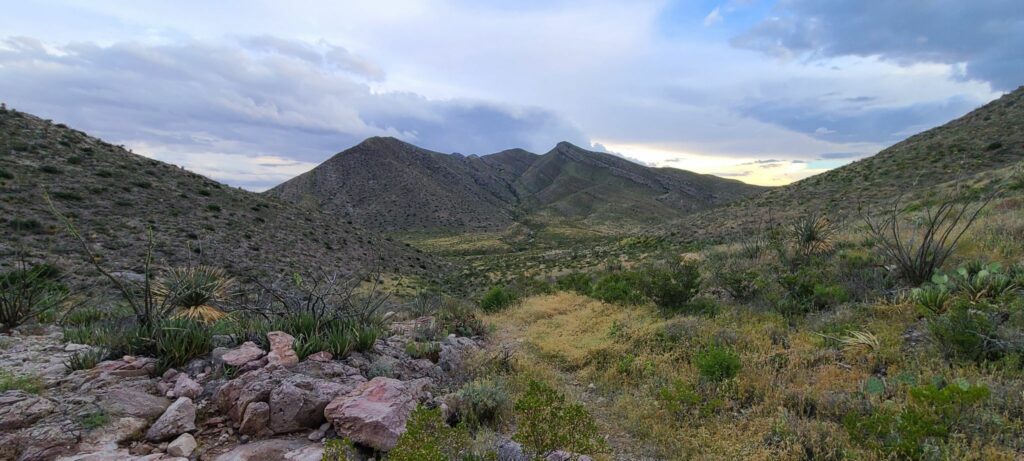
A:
[281,351]
[132,400]
[299,402]
[453,349]
[179,418]
[322,356]
[243,354]
[20,409]
[374,414]
[274,450]
[254,386]
[183,446]
[42,441]
[256,419]
[184,386]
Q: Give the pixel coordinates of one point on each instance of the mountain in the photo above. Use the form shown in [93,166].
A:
[390,185]
[986,139]
[113,196]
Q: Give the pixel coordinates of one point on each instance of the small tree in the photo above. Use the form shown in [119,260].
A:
[918,247]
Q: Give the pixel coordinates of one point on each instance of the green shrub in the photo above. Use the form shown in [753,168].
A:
[717,363]
[619,288]
[701,305]
[931,300]
[94,420]
[176,341]
[365,336]
[28,383]
[933,414]
[28,292]
[672,288]
[967,333]
[482,402]
[497,299]
[576,282]
[429,350]
[740,284]
[86,359]
[428,438]
[546,422]
[806,291]
[340,450]
[459,317]
[117,337]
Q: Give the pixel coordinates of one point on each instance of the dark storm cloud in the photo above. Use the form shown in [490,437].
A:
[987,35]
[852,122]
[252,96]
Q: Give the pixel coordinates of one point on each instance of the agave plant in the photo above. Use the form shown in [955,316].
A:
[192,292]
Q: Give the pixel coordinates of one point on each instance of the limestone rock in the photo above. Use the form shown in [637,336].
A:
[183,446]
[179,418]
[243,354]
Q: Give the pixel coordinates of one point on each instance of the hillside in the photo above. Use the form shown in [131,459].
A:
[389,185]
[114,195]
[988,138]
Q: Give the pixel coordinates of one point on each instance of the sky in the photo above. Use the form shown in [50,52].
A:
[254,92]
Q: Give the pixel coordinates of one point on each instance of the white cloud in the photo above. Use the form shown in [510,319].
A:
[714,17]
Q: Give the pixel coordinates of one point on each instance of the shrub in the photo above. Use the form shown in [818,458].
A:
[428,438]
[546,422]
[365,336]
[191,292]
[497,299]
[740,284]
[931,300]
[429,350]
[460,318]
[717,363]
[28,292]
[86,359]
[672,288]
[805,291]
[933,413]
[176,341]
[576,282]
[340,450]
[701,305]
[483,402]
[967,333]
[94,419]
[28,383]
[619,288]
[931,239]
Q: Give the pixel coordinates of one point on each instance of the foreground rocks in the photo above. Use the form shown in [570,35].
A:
[374,414]
[270,406]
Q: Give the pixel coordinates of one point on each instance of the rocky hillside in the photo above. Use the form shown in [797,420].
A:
[986,139]
[386,184]
[113,196]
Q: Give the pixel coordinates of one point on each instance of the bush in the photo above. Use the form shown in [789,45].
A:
[86,359]
[717,363]
[483,402]
[546,422]
[176,341]
[428,438]
[193,291]
[805,291]
[933,413]
[931,300]
[576,282]
[459,317]
[966,333]
[429,350]
[27,293]
[497,299]
[619,288]
[672,288]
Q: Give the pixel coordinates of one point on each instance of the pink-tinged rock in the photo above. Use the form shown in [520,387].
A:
[281,351]
[322,356]
[186,387]
[255,419]
[374,414]
[243,354]
[298,402]
[178,419]
[20,409]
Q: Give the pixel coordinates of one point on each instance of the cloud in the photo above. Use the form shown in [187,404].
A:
[985,35]
[254,97]
[714,17]
[839,155]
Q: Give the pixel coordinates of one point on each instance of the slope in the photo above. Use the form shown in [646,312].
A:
[114,196]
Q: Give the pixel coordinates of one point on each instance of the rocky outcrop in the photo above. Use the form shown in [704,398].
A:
[242,355]
[20,409]
[183,446]
[274,450]
[374,414]
[281,349]
[178,419]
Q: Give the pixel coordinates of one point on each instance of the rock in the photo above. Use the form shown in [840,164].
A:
[179,418]
[256,419]
[20,409]
[253,386]
[562,455]
[509,450]
[40,442]
[183,446]
[453,349]
[72,347]
[243,354]
[322,356]
[116,432]
[127,367]
[186,387]
[299,402]
[114,455]
[254,365]
[319,433]
[133,400]
[374,414]
[222,341]
[281,351]
[290,449]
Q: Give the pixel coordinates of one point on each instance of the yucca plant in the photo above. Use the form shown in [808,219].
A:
[86,359]
[860,340]
[812,234]
[28,292]
[339,340]
[192,292]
